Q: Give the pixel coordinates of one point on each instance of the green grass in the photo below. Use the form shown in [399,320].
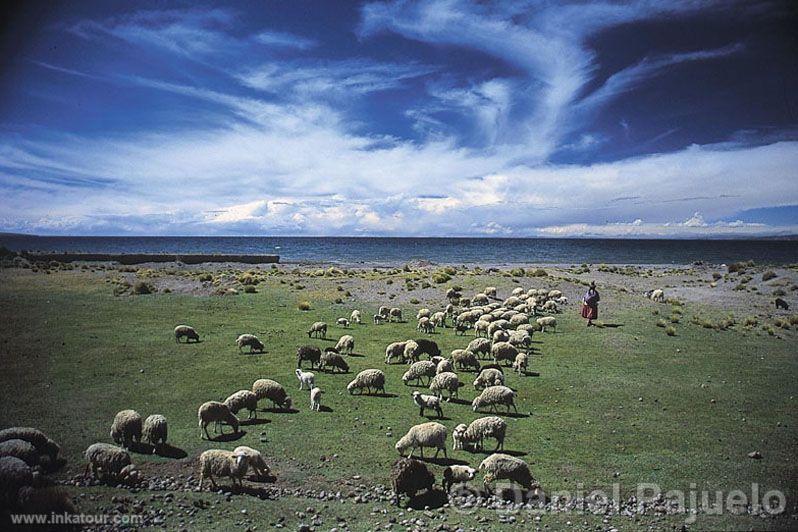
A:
[75,354]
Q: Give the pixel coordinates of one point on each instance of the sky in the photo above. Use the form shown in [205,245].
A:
[443,118]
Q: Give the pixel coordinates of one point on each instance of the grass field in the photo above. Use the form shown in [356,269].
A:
[624,404]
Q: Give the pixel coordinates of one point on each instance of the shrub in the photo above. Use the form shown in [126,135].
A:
[142,288]
[677,311]
[414,301]
[779,292]
[340,288]
[517,272]
[674,319]
[716,276]
[338,300]
[670,331]
[540,272]
[449,270]
[441,277]
[768,275]
[389,281]
[250,289]
[736,267]
[425,284]
[655,312]
[661,323]
[750,321]
[303,305]
[205,277]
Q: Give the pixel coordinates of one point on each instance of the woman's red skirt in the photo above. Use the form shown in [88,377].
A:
[590,313]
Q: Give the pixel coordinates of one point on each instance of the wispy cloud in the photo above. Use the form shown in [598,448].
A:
[285,40]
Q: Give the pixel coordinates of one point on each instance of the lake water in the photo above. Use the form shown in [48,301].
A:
[383,251]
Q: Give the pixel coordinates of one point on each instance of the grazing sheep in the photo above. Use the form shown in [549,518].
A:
[14,475]
[419,370]
[217,413]
[411,352]
[479,299]
[45,501]
[425,325]
[395,350]
[562,300]
[503,351]
[423,313]
[315,398]
[479,346]
[449,310]
[342,322]
[221,463]
[331,359]
[499,466]
[21,449]
[444,366]
[319,329]
[438,319]
[126,428]
[451,293]
[423,401]
[370,379]
[464,359]
[493,396]
[427,347]
[521,363]
[185,331]
[379,318]
[553,294]
[309,353]
[251,341]
[457,474]
[547,321]
[781,304]
[306,379]
[40,440]
[155,431]
[490,291]
[550,306]
[355,317]
[243,399]
[385,312]
[527,327]
[106,461]
[488,377]
[518,319]
[657,295]
[481,328]
[346,344]
[254,460]
[409,476]
[273,391]
[446,381]
[395,314]
[520,339]
[501,336]
[430,434]
[472,437]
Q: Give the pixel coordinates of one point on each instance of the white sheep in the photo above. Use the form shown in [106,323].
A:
[21,449]
[221,463]
[126,428]
[419,370]
[473,436]
[444,366]
[550,306]
[251,341]
[554,294]
[384,312]
[493,396]
[457,474]
[520,339]
[395,314]
[155,431]
[306,379]
[479,346]
[481,328]
[489,377]
[355,317]
[425,325]
[423,313]
[395,350]
[521,363]
[40,440]
[217,413]
[345,344]
[106,461]
[319,329]
[464,359]
[243,399]
[255,460]
[501,336]
[431,434]
[438,319]
[315,398]
[412,351]
[547,321]
[273,391]
[431,402]
[342,322]
[333,360]
[370,379]
[184,331]
[445,382]
[379,318]
[503,351]
[658,295]
[499,466]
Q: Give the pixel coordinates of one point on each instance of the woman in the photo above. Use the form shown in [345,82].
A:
[590,304]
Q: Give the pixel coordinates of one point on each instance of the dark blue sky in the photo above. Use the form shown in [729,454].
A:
[399,118]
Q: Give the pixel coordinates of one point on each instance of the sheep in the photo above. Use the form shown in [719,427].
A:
[488,377]
[444,366]
[395,314]
[501,336]
[423,313]
[464,359]
[430,434]
[490,291]
[562,300]
[521,363]
[155,431]
[472,437]
[331,359]
[126,428]
[499,466]
[315,398]
[479,346]
[378,318]
[221,463]
[438,319]
[319,329]
[657,295]
[250,340]
[411,352]
[528,327]
[309,353]
[21,449]
[479,299]
[427,347]
[45,501]
[419,370]
[40,440]
[493,396]
[456,474]
[550,306]
[218,413]
[342,322]
[254,460]
[273,391]
[185,331]
[424,401]
[546,321]
[395,350]
[503,351]
[105,461]
[243,399]
[346,344]
[409,476]
[781,304]
[368,379]
[306,379]
[553,294]
[449,310]
[481,327]
[385,312]
[446,381]
[14,475]
[518,319]
[425,325]
[461,328]
[520,339]
[355,317]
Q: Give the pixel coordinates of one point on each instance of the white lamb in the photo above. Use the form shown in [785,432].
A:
[315,398]
[306,379]
[355,317]
[431,434]
[547,321]
[424,401]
